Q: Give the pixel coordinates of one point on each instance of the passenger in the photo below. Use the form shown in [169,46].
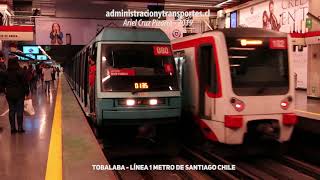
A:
[92,77]
[16,89]
[40,73]
[47,77]
[29,77]
[58,71]
[3,69]
[53,75]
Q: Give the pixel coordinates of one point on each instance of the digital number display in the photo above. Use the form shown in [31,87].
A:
[142,85]
[278,43]
[162,51]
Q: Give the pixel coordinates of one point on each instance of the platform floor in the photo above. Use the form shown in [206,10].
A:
[58,142]
[24,156]
[306,107]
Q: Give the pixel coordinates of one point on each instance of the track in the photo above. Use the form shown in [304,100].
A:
[256,167]
[157,174]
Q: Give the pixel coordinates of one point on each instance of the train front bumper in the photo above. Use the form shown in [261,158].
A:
[109,112]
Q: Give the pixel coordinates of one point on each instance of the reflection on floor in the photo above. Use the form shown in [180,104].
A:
[24,156]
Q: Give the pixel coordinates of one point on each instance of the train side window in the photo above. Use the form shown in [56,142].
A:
[209,68]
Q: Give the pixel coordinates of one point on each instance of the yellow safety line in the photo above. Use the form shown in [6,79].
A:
[317,114]
[54,163]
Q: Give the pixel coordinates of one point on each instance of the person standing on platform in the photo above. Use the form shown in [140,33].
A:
[47,77]
[3,69]
[16,89]
[58,71]
[53,74]
[29,77]
[40,74]
[92,77]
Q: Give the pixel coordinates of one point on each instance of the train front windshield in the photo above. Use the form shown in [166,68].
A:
[259,66]
[137,68]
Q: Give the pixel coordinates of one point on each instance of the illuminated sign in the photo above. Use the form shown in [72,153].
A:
[23,58]
[162,51]
[30,49]
[42,57]
[122,72]
[278,43]
[31,56]
[142,85]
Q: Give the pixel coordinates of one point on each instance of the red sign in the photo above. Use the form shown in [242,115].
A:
[122,72]
[162,50]
[16,33]
[278,43]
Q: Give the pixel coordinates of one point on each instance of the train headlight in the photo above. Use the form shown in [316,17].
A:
[284,105]
[286,102]
[237,104]
[130,102]
[153,102]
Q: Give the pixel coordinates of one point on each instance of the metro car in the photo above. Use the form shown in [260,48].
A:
[136,81]
[237,84]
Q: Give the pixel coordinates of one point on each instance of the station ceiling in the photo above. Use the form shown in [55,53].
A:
[52,7]
[96,9]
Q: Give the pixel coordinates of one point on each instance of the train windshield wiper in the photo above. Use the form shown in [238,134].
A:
[139,90]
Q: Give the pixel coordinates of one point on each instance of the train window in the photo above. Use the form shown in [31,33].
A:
[179,59]
[256,68]
[208,69]
[124,65]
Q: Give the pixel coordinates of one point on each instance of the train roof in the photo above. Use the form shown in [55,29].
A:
[251,32]
[132,35]
[241,32]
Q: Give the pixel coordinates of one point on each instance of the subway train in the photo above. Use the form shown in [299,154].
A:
[136,81]
[237,84]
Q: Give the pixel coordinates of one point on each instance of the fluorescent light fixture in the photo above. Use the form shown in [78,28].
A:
[235,65]
[238,57]
[165,4]
[221,4]
[44,52]
[190,5]
[245,42]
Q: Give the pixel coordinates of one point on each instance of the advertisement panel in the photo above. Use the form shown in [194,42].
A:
[54,31]
[284,16]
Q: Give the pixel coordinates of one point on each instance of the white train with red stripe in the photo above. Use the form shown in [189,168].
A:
[238,84]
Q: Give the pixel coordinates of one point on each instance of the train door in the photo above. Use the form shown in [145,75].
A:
[86,77]
[206,71]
